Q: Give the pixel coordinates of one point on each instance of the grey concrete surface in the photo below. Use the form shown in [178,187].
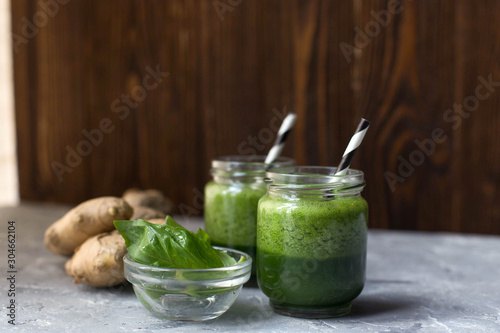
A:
[416,282]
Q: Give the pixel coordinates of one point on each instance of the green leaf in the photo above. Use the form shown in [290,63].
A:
[226,259]
[203,235]
[170,221]
[170,245]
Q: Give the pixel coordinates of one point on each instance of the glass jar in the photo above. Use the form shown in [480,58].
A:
[311,241]
[231,200]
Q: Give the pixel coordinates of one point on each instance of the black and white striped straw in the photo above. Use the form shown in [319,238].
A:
[283,132]
[352,147]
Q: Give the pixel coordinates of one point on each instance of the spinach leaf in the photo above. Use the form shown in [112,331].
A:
[170,245]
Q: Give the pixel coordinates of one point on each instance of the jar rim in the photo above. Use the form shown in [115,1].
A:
[303,175]
[248,163]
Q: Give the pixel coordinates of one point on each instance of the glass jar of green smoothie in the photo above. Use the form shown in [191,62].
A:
[231,200]
[311,241]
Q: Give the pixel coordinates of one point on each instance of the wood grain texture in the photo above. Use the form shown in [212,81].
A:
[226,77]
[410,76]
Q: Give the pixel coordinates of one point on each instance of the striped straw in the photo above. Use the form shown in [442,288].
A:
[283,132]
[352,147]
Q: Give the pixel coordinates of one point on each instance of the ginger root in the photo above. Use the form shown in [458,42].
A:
[99,261]
[148,198]
[156,221]
[88,219]
[145,213]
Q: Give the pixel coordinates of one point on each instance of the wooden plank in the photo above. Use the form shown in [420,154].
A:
[477,176]
[226,77]
[403,86]
[49,103]
[411,74]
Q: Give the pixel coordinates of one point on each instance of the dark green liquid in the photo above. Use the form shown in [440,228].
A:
[310,282]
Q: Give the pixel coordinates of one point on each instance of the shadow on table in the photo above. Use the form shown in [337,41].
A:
[242,314]
[254,312]
[374,306]
[252,283]
[381,306]
[383,303]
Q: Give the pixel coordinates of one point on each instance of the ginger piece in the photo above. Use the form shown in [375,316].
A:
[148,198]
[88,219]
[145,213]
[98,262]
[156,221]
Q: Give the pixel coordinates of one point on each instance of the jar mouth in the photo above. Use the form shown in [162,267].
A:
[309,175]
[232,163]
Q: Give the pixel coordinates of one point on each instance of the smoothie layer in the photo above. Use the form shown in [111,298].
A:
[310,282]
[231,213]
[312,228]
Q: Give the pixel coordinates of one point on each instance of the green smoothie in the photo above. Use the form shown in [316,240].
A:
[231,200]
[311,251]
[231,214]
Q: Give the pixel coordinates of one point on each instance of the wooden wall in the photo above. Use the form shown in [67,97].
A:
[230,63]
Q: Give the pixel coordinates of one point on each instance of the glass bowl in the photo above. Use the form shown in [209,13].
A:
[188,294]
